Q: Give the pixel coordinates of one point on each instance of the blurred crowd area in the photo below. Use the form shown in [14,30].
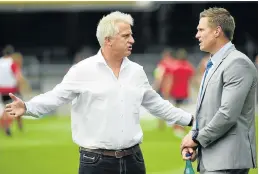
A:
[51,37]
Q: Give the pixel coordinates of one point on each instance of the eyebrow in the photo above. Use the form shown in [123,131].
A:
[124,34]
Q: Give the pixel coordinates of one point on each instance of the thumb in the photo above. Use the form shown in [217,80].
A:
[190,150]
[13,97]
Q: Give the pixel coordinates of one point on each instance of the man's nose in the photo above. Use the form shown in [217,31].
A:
[131,40]
[197,36]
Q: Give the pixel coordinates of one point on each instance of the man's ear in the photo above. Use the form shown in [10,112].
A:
[217,31]
[107,41]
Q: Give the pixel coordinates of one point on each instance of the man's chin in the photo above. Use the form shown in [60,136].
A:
[202,48]
[128,53]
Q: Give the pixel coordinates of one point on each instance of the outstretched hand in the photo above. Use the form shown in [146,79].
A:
[16,108]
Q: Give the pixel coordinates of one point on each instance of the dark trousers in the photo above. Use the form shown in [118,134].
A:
[94,163]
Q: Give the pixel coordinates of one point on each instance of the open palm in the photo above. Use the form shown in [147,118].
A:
[16,108]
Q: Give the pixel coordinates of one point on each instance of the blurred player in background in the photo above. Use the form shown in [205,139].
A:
[24,86]
[162,68]
[165,62]
[11,81]
[177,84]
[8,82]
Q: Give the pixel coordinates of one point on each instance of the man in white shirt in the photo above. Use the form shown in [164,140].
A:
[107,91]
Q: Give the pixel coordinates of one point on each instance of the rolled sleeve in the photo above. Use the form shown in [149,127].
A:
[29,110]
[62,93]
[184,120]
[161,108]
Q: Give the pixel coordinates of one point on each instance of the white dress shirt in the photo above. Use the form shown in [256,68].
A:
[105,109]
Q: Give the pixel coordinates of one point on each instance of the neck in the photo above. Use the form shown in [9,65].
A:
[218,45]
[112,59]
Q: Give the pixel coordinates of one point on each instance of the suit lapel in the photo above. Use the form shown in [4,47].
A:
[211,72]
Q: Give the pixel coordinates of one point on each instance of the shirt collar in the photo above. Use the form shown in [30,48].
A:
[100,59]
[218,55]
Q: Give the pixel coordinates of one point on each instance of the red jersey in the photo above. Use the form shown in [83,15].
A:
[166,65]
[181,72]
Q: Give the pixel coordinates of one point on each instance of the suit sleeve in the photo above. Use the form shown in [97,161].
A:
[235,89]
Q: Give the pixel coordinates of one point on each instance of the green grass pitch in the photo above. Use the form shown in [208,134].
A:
[45,147]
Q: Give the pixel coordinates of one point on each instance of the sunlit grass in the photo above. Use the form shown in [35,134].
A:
[46,147]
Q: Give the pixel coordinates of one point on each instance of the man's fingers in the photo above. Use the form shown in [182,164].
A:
[186,157]
[8,106]
[8,109]
[190,150]
[13,97]
[194,155]
[184,154]
[183,145]
[11,113]
[182,148]
[8,115]
[193,152]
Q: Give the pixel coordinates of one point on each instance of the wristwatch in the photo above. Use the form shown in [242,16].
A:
[194,136]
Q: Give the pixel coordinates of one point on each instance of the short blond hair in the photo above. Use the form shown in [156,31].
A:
[107,26]
[220,17]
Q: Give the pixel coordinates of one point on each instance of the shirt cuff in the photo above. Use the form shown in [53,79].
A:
[184,120]
[29,111]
